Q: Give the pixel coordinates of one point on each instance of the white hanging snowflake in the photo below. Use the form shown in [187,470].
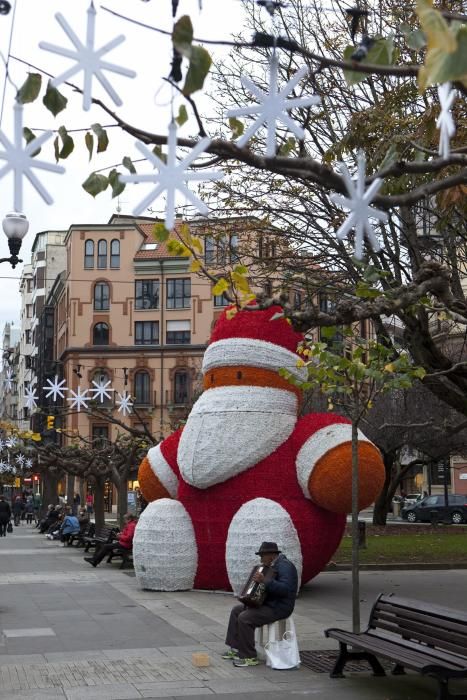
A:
[2,445]
[8,381]
[79,399]
[30,399]
[21,162]
[445,122]
[88,59]
[55,388]
[28,463]
[20,459]
[273,107]
[359,203]
[11,441]
[172,176]
[3,467]
[102,391]
[124,403]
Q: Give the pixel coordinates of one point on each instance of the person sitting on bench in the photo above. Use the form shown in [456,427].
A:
[124,542]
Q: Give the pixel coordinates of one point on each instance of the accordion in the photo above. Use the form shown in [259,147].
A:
[253,593]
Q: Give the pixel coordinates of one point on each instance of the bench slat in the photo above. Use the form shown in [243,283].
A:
[416,659]
[426,638]
[437,622]
[440,637]
[435,610]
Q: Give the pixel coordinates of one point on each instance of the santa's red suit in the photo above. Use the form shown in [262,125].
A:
[245,468]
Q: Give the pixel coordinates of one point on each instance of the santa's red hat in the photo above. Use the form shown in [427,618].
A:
[263,339]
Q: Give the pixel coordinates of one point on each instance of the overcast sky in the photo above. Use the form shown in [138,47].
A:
[145,105]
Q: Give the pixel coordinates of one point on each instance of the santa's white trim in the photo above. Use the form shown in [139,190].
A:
[231,352]
[162,470]
[318,445]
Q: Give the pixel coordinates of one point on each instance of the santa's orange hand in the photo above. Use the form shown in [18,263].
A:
[156,478]
[324,469]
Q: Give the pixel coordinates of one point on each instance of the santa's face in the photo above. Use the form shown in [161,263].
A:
[231,428]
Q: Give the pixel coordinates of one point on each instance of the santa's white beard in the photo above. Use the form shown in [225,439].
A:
[231,428]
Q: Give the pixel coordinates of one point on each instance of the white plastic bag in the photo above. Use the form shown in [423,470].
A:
[283,653]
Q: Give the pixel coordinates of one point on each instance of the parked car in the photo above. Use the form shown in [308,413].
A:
[455,511]
[412,498]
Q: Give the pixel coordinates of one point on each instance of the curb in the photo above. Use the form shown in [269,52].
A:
[409,566]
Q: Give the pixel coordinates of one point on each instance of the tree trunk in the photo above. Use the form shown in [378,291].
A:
[50,489]
[382,503]
[70,489]
[99,507]
[122,499]
[355,551]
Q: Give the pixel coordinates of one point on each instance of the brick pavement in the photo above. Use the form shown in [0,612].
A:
[71,632]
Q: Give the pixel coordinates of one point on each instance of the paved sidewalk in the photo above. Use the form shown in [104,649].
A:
[77,633]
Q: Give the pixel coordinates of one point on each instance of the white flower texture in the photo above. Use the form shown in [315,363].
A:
[88,59]
[172,176]
[273,107]
[445,122]
[102,390]
[359,203]
[30,399]
[124,403]
[20,160]
[8,381]
[55,388]
[79,399]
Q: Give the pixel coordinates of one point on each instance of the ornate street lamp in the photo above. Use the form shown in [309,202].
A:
[15,226]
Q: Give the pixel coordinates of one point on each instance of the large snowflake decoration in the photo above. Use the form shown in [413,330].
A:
[273,107]
[20,160]
[172,176]
[30,399]
[28,463]
[55,388]
[79,399]
[124,403]
[4,466]
[20,459]
[88,59]
[445,122]
[359,203]
[12,441]
[102,390]
[8,381]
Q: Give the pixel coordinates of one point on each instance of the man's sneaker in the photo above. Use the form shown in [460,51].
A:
[243,663]
[230,655]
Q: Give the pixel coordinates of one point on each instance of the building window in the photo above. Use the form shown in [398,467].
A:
[89,255]
[100,334]
[221,249]
[209,249]
[100,436]
[179,293]
[146,333]
[178,333]
[297,300]
[181,387]
[146,294]
[233,244]
[102,254]
[28,310]
[101,297]
[28,337]
[220,300]
[115,253]
[142,388]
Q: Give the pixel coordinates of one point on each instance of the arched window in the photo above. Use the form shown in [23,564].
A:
[101,296]
[100,334]
[115,253]
[89,255]
[102,254]
[142,387]
[181,387]
[101,377]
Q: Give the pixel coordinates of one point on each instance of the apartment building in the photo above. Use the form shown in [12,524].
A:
[9,374]
[24,374]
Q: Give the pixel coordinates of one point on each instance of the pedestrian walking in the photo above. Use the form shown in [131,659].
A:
[5,515]
[29,510]
[18,508]
[90,503]
[76,503]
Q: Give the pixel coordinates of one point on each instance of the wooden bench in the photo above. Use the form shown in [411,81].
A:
[79,539]
[125,554]
[426,638]
[103,536]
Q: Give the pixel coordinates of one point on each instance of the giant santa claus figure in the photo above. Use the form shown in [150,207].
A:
[245,468]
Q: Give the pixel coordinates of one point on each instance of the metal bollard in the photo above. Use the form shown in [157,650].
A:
[361,534]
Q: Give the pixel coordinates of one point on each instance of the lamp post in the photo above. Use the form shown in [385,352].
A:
[15,226]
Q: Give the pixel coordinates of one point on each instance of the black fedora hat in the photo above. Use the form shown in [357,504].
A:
[268,548]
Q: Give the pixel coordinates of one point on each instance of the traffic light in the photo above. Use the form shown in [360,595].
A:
[50,422]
